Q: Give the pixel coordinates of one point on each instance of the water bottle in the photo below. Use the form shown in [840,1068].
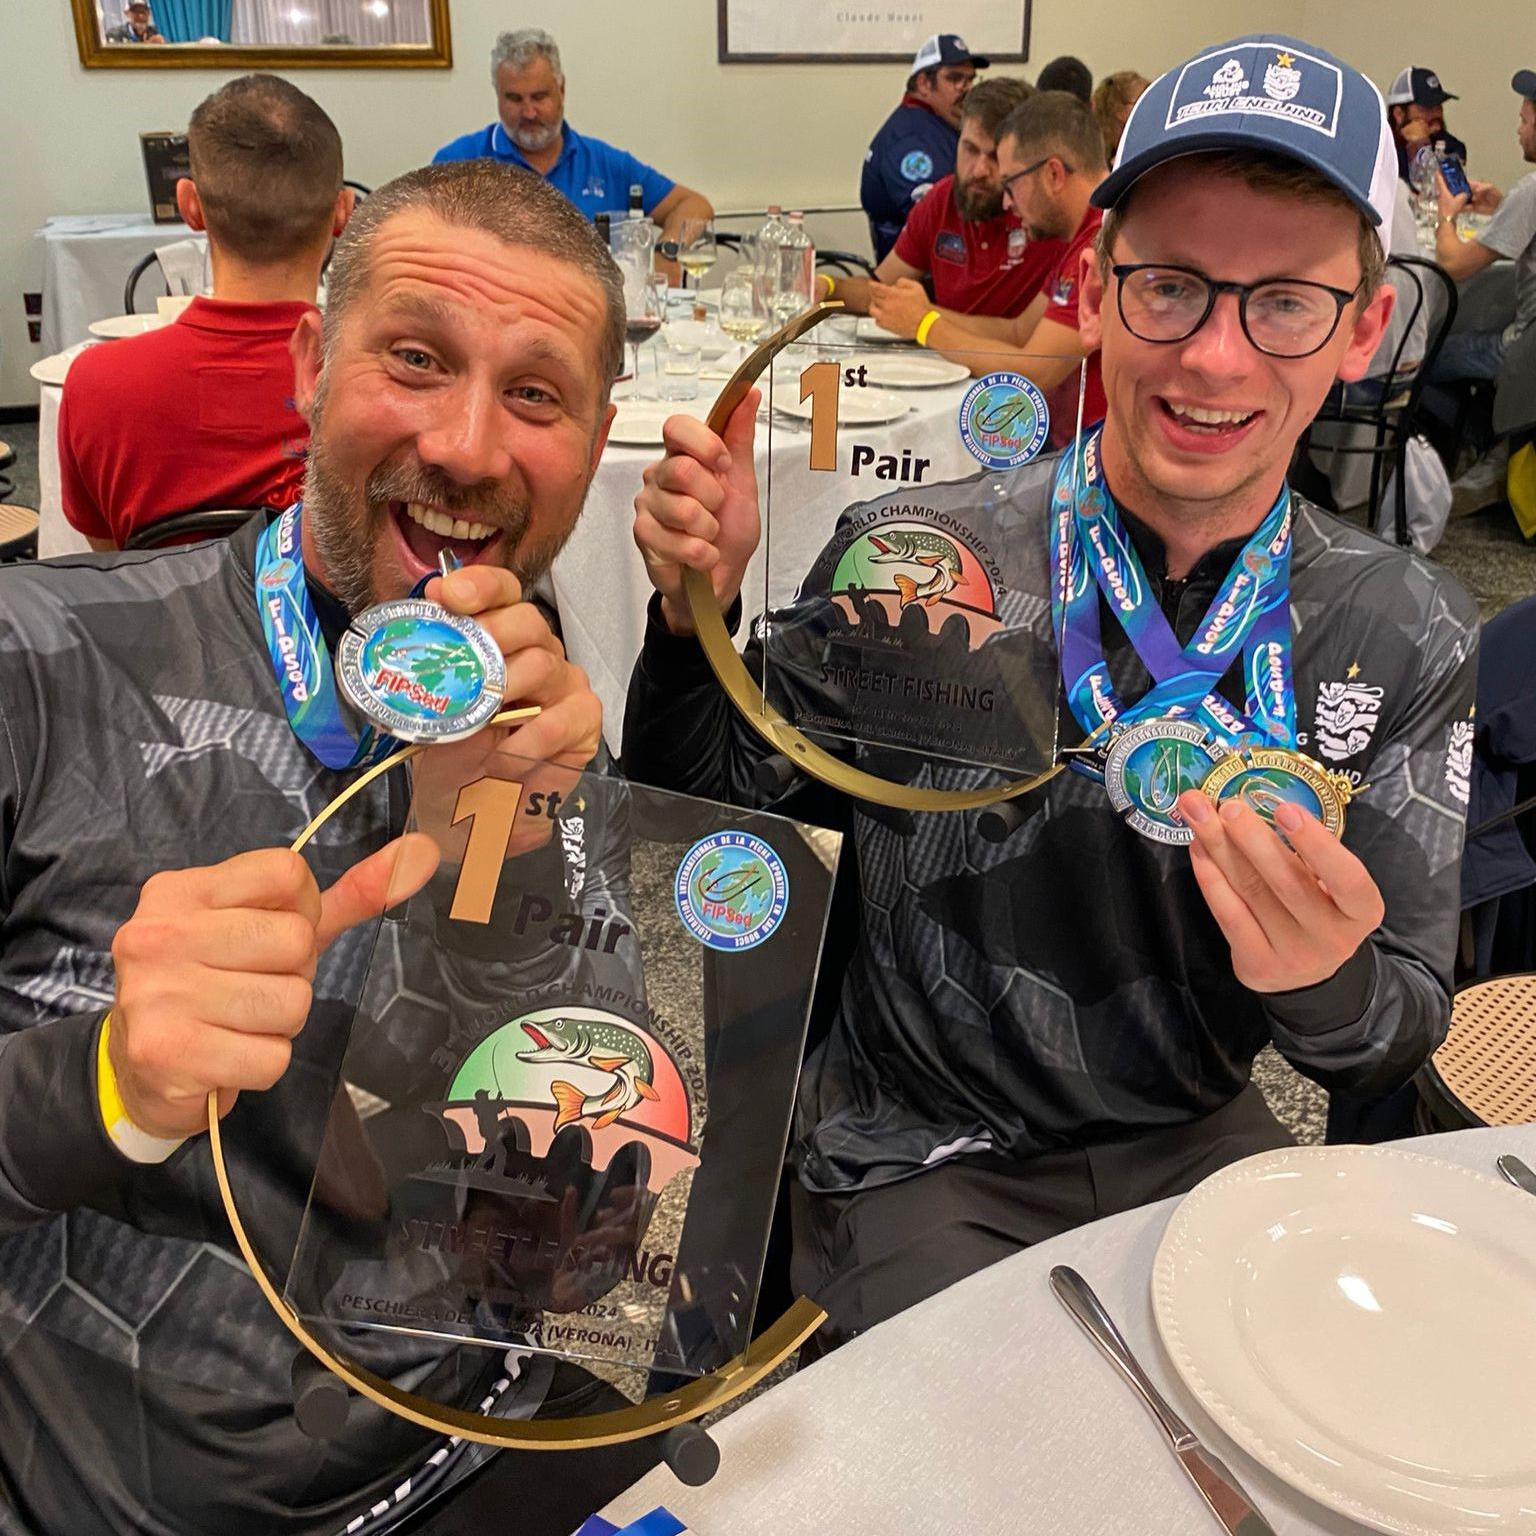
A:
[634,240]
[797,272]
[767,248]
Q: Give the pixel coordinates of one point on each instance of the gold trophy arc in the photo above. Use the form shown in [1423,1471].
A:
[653,1416]
[731,671]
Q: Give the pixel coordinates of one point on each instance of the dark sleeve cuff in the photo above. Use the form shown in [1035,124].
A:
[678,658]
[54,1151]
[1339,1001]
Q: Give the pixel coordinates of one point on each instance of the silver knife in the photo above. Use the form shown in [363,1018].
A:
[1208,1473]
[1517,1173]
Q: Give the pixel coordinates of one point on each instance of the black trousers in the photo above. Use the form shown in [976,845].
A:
[868,1255]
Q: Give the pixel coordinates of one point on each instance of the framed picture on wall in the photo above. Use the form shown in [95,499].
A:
[866,31]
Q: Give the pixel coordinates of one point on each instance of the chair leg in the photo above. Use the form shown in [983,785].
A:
[1374,504]
[1400,491]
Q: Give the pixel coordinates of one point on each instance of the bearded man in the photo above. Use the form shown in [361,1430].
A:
[975,255]
[161,941]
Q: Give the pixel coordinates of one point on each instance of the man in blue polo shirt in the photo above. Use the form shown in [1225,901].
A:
[532,133]
[916,144]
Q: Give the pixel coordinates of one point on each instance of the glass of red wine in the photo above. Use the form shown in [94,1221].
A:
[645,307]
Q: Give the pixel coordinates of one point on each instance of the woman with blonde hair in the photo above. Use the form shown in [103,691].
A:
[1113,98]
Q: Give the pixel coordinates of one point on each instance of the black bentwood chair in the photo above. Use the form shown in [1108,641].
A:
[1393,419]
[183,527]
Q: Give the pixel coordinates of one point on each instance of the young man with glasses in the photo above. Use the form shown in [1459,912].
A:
[1036,1033]
[1050,152]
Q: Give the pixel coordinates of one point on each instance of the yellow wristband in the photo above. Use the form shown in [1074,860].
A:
[136,1145]
[925,325]
[829,280]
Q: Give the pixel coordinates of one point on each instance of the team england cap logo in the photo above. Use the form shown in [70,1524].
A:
[1277,96]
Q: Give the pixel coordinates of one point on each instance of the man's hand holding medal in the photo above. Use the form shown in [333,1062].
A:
[1292,914]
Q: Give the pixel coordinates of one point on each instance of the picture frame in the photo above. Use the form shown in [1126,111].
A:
[96,53]
[812,32]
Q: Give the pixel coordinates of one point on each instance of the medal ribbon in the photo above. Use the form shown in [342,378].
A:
[1249,614]
[301,660]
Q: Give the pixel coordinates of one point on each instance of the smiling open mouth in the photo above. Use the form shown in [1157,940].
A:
[427,531]
[1207,422]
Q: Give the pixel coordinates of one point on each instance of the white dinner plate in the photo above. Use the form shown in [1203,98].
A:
[911,370]
[638,423]
[855,407]
[53,370]
[114,327]
[1362,1321]
[867,330]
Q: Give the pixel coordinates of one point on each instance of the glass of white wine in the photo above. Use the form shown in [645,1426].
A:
[741,315]
[696,249]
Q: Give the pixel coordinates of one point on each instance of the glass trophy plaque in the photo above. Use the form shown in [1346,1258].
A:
[563,1104]
[906,568]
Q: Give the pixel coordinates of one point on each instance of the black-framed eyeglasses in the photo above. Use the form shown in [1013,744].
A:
[1284,317]
[1029,170]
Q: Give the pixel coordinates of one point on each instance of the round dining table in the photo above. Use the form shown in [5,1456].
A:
[986,1411]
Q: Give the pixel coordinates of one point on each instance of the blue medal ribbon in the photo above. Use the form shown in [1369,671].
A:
[301,659]
[1250,614]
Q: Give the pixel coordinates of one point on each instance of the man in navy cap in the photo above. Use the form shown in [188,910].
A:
[916,144]
[1416,106]
[1032,1035]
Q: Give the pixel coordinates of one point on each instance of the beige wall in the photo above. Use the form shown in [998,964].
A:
[643,73]
[1474,49]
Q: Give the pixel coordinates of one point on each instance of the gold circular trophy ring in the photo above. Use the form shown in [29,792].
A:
[747,696]
[650,1417]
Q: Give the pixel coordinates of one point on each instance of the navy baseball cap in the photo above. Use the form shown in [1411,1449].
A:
[946,48]
[1525,83]
[1274,96]
[1418,87]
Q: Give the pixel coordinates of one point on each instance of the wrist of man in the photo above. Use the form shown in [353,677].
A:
[677,612]
[136,1144]
[925,327]
[678,617]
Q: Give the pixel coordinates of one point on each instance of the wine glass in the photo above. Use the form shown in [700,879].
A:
[741,312]
[645,307]
[696,252]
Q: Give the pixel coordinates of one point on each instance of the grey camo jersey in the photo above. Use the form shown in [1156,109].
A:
[144,1383]
[1068,985]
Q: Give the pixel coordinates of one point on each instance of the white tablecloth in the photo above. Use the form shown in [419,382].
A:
[599,578]
[987,1410]
[86,261]
[54,535]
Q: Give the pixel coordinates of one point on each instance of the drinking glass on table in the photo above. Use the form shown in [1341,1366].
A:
[741,315]
[645,307]
[696,251]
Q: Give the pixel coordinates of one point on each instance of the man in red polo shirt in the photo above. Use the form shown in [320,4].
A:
[201,414]
[1051,157]
[977,255]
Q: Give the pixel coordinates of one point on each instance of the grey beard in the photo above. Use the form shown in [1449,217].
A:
[346,544]
[534,140]
[348,539]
